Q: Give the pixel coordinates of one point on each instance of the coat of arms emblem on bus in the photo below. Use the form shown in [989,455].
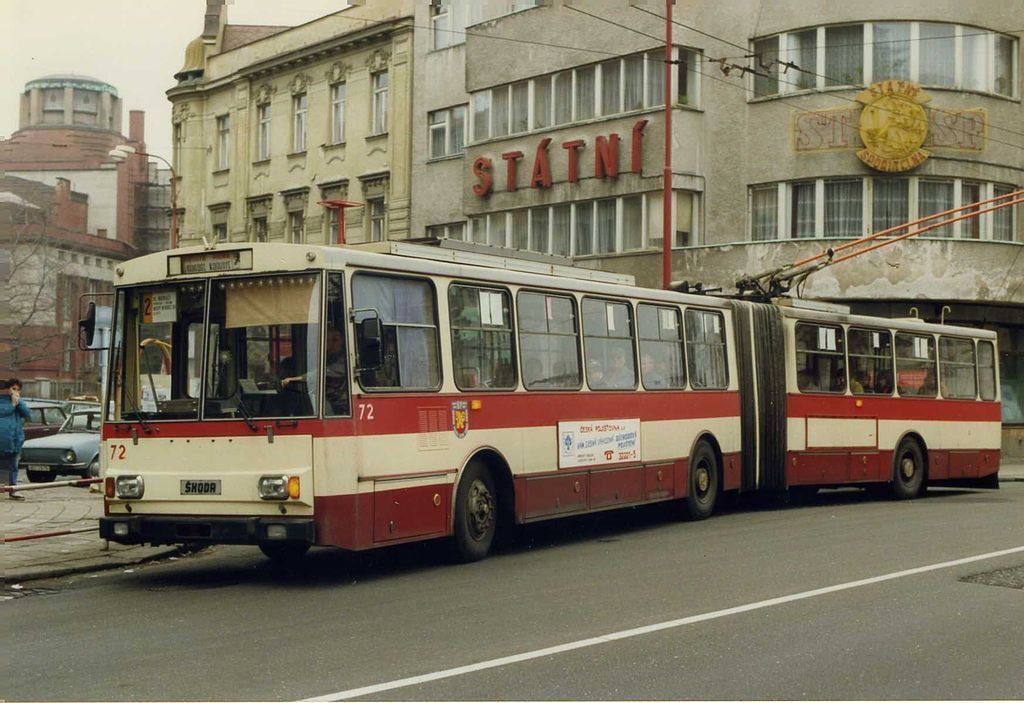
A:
[893,126]
[460,418]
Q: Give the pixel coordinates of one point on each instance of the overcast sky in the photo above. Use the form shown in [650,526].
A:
[135,45]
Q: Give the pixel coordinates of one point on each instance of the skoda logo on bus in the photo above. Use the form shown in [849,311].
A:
[460,418]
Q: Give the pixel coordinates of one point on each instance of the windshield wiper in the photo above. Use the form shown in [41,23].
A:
[247,414]
[139,414]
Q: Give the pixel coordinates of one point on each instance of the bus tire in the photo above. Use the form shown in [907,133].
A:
[702,489]
[476,514]
[907,470]
[284,552]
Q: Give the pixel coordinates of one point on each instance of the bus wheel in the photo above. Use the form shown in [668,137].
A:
[908,471]
[476,514]
[284,552]
[703,488]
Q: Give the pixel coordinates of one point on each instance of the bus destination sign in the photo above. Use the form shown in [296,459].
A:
[210,262]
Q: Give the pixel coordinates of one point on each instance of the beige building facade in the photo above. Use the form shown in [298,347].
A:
[270,121]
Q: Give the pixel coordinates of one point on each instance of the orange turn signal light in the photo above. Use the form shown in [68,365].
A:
[293,487]
[108,487]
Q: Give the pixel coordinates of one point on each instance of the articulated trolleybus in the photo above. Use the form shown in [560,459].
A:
[285,395]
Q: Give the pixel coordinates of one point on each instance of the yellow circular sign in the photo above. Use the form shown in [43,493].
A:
[893,126]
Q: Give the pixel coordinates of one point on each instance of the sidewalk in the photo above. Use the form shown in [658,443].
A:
[67,508]
[56,510]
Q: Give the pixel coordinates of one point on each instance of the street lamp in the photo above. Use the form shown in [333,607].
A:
[123,151]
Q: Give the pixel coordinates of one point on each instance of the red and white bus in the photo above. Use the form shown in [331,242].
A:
[289,395]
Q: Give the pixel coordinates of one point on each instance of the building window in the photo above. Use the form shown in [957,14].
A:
[935,197]
[441,24]
[890,203]
[263,132]
[1002,219]
[338,113]
[801,224]
[380,102]
[930,53]
[259,229]
[220,233]
[296,227]
[331,222]
[378,219]
[447,131]
[970,193]
[223,132]
[764,213]
[299,111]
[844,208]
[625,84]
[454,230]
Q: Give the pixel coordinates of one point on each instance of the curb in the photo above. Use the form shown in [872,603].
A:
[56,571]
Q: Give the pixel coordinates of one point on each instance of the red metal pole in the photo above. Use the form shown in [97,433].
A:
[667,229]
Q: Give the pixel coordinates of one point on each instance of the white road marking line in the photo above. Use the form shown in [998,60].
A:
[648,629]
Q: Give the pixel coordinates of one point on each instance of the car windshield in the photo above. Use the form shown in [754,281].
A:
[82,422]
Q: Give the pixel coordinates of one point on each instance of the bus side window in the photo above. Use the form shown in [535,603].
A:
[987,370]
[548,341]
[661,347]
[820,358]
[482,350]
[870,353]
[915,365]
[706,356]
[956,368]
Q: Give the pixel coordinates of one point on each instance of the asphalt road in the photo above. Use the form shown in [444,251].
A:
[227,625]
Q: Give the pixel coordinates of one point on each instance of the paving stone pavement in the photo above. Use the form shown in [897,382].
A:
[56,510]
[72,508]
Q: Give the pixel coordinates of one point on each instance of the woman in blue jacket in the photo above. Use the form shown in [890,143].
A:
[13,412]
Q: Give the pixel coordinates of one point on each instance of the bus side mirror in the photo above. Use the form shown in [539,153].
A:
[87,328]
[368,343]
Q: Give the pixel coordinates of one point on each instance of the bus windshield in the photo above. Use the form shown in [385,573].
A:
[157,362]
[263,347]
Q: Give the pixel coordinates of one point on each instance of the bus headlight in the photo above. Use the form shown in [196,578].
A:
[69,457]
[129,487]
[273,487]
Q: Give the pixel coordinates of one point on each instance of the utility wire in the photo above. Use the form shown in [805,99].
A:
[803,70]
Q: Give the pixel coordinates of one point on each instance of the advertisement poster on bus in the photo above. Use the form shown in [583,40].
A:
[598,442]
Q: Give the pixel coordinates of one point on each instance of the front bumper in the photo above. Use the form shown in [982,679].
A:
[144,529]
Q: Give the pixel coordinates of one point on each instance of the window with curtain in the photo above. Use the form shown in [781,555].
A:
[654,66]
[1005,50]
[562,86]
[610,95]
[802,210]
[481,115]
[585,92]
[520,107]
[764,62]
[889,203]
[539,223]
[844,55]
[605,229]
[970,193]
[584,229]
[764,212]
[844,208]
[1002,219]
[803,50]
[934,197]
[496,229]
[975,59]
[409,340]
[338,92]
[521,229]
[891,51]
[633,83]
[542,102]
[561,234]
[499,107]
[937,46]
